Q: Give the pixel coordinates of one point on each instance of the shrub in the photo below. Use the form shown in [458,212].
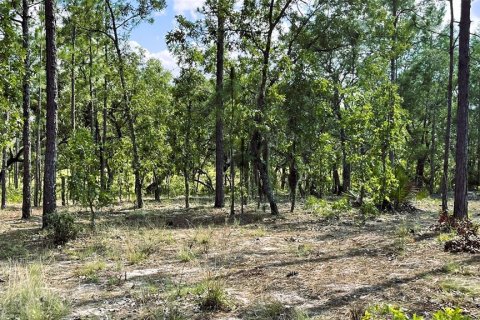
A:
[342,204]
[27,296]
[62,227]
[368,209]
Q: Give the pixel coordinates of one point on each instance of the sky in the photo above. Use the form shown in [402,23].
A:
[151,37]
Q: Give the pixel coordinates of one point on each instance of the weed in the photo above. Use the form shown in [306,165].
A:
[304,250]
[275,310]
[212,296]
[89,272]
[28,297]
[444,237]
[186,255]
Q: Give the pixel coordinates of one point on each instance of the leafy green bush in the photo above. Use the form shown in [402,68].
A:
[341,205]
[62,227]
[368,209]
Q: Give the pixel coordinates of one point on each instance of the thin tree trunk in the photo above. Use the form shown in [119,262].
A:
[432,155]
[128,111]
[49,181]
[38,175]
[3,176]
[219,109]
[72,80]
[186,162]
[446,154]
[26,192]
[460,209]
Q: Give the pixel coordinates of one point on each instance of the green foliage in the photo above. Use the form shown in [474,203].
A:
[396,313]
[81,158]
[369,209]
[28,297]
[342,204]
[62,227]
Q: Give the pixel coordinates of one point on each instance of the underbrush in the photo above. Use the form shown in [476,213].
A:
[27,296]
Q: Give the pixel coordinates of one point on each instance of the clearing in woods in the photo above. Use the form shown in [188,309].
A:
[145,263]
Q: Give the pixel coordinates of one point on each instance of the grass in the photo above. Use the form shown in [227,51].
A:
[27,296]
[186,254]
[271,309]
[212,296]
[89,272]
[304,250]
[138,251]
[463,286]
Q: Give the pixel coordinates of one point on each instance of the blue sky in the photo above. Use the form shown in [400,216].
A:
[151,37]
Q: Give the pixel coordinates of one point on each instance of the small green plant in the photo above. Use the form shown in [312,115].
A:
[186,254]
[270,309]
[450,314]
[368,209]
[89,272]
[304,250]
[396,313]
[212,296]
[444,237]
[342,205]
[393,312]
[62,227]
[27,296]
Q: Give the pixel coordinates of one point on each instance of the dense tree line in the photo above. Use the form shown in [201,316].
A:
[273,98]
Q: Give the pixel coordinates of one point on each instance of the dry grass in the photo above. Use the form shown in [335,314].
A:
[154,262]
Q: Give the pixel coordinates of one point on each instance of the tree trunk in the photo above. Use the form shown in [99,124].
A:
[460,210]
[38,148]
[128,111]
[219,109]
[49,181]
[446,154]
[432,155]
[26,192]
[3,176]
[72,80]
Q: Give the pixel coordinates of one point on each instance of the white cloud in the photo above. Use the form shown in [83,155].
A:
[187,6]
[164,56]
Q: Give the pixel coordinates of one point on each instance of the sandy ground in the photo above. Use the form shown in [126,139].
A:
[322,266]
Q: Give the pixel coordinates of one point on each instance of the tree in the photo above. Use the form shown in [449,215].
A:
[26,194]
[49,180]
[460,209]
[446,152]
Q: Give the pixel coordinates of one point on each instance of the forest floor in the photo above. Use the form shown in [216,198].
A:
[143,264]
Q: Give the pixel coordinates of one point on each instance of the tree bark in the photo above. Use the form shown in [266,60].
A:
[460,209]
[49,181]
[432,155]
[3,177]
[446,153]
[219,109]
[26,192]
[72,80]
